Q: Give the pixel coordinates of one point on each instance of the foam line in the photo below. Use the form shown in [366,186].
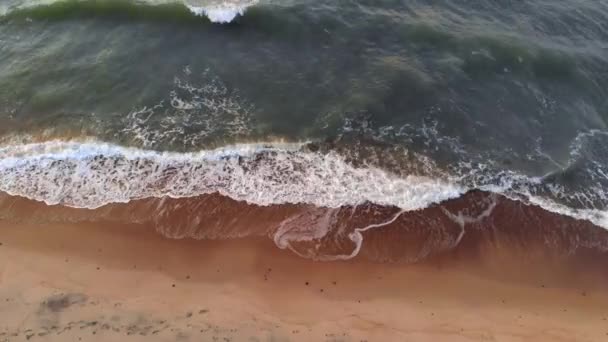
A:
[93,174]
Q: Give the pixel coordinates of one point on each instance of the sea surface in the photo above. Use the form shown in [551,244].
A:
[389,128]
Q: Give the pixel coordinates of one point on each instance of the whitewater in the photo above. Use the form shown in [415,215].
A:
[91,174]
[217,11]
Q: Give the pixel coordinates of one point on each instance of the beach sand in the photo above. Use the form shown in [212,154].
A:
[94,282]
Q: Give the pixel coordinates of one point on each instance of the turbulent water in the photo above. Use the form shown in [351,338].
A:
[396,129]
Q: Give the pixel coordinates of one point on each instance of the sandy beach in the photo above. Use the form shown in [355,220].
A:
[122,283]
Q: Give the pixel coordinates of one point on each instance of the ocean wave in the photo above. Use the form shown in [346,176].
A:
[91,174]
[476,54]
[221,12]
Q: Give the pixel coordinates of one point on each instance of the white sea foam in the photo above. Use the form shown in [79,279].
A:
[217,11]
[92,174]
[218,14]
[221,12]
[595,216]
[191,115]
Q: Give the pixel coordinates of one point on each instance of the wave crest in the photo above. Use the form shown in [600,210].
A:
[91,174]
[221,12]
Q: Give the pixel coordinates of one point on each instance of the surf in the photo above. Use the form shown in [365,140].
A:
[91,174]
[221,12]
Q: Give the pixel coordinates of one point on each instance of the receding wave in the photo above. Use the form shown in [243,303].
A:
[216,12]
[466,226]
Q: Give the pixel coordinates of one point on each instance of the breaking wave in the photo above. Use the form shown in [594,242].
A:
[222,11]
[90,174]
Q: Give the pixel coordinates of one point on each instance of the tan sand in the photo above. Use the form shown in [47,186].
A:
[94,283]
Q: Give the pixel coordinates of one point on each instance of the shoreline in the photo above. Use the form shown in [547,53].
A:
[465,229]
[57,279]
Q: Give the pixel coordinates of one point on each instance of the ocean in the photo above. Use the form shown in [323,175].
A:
[388,129]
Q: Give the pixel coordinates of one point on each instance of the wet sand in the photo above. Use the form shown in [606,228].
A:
[94,282]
